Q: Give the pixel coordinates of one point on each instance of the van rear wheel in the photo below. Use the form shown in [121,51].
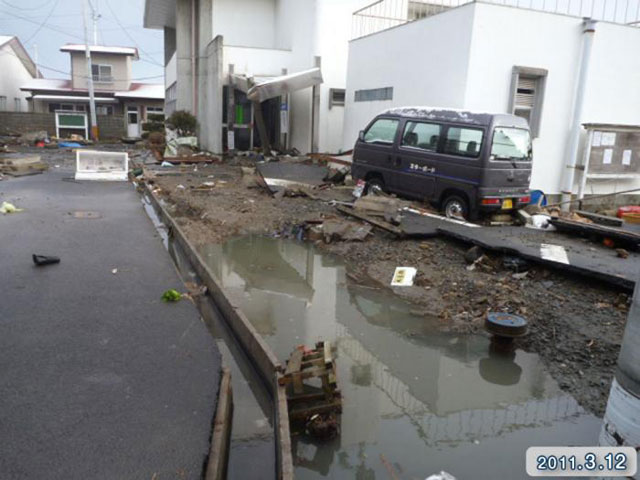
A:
[454,206]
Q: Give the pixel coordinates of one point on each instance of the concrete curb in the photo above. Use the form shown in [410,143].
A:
[265,361]
[221,437]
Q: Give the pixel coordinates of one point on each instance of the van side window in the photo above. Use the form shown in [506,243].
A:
[421,135]
[382,131]
[465,142]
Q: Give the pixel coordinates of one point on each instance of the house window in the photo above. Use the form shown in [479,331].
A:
[465,142]
[18,104]
[104,110]
[101,73]
[527,95]
[67,107]
[374,94]
[3,103]
[336,97]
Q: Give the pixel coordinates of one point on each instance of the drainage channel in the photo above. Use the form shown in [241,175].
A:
[252,450]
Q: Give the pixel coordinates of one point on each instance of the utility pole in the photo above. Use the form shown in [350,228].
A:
[92,100]
[621,423]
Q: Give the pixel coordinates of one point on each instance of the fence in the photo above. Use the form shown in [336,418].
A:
[384,14]
[111,126]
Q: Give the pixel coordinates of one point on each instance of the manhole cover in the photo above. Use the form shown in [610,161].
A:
[86,214]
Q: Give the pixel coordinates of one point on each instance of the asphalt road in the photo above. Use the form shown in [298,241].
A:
[99,379]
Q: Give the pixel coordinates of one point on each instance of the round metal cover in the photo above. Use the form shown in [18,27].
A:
[505,324]
[88,214]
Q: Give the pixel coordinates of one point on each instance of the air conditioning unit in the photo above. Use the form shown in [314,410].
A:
[94,165]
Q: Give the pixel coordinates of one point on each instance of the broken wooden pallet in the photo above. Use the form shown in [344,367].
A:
[306,400]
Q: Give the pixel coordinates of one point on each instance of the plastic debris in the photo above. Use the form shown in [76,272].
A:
[7,207]
[41,260]
[167,164]
[403,277]
[171,295]
[441,476]
[359,188]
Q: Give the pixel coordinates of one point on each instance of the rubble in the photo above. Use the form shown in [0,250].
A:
[17,166]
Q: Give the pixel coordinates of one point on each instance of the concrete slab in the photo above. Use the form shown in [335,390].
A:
[574,254]
[101,379]
[280,175]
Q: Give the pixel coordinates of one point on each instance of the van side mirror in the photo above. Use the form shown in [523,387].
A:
[361,136]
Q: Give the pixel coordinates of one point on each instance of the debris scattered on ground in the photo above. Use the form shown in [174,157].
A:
[171,295]
[305,401]
[41,260]
[403,277]
[279,176]
[26,165]
[622,253]
[114,271]
[7,207]
[441,476]
[323,427]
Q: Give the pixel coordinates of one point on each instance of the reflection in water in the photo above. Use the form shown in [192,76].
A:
[420,399]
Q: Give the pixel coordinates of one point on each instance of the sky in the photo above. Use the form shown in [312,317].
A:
[49,24]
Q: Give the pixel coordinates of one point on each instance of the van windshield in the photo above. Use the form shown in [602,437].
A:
[511,144]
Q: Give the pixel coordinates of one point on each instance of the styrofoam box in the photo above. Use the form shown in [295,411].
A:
[95,165]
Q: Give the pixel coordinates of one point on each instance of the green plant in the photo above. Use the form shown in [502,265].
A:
[182,122]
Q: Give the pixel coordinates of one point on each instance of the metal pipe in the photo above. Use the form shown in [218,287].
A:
[621,423]
[194,74]
[87,53]
[574,139]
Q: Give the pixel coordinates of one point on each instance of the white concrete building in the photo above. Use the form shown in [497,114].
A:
[17,67]
[260,39]
[485,56]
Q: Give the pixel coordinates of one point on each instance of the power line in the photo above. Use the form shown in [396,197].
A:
[27,9]
[115,17]
[43,23]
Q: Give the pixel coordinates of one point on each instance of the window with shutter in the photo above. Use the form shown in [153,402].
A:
[527,92]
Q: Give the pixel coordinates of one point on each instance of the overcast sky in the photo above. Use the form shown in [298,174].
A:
[49,24]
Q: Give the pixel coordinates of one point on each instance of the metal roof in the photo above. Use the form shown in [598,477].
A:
[131,51]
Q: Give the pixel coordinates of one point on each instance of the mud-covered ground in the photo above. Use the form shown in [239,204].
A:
[576,324]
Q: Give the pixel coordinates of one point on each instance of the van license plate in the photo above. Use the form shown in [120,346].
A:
[507,203]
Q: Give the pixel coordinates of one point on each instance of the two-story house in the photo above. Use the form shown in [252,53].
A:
[115,92]
[17,67]
[214,48]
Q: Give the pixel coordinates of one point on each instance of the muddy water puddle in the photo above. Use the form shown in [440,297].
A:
[416,401]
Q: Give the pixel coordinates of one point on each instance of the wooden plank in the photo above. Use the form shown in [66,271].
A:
[304,413]
[328,360]
[293,365]
[376,223]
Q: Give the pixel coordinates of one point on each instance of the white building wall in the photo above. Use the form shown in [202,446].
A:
[424,61]
[249,23]
[13,76]
[504,37]
[613,90]
[333,34]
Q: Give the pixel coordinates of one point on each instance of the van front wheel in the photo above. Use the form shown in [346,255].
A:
[374,183]
[454,206]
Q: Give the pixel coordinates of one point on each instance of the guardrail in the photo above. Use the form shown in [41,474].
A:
[384,14]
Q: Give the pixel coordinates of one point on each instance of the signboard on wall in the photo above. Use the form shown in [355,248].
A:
[614,150]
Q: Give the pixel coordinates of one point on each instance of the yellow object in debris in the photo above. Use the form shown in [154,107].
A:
[9,208]
[507,204]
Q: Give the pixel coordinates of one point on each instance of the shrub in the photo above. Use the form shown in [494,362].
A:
[182,122]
